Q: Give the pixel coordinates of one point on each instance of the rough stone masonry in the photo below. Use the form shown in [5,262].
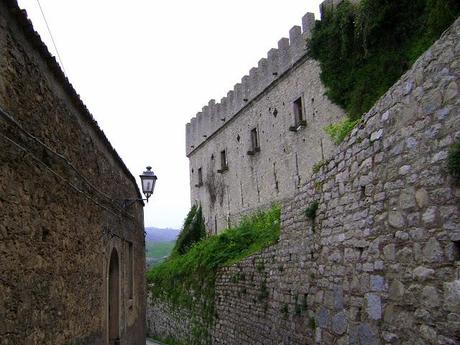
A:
[71,260]
[380,263]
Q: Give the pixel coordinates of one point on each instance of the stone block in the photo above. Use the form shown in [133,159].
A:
[452,296]
[366,335]
[339,323]
[373,306]
[396,219]
[432,252]
[323,318]
[422,273]
[430,297]
[377,283]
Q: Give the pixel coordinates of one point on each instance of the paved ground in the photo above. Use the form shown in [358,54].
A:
[151,342]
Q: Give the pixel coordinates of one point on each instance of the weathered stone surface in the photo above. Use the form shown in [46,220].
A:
[396,291]
[422,273]
[322,318]
[432,251]
[373,306]
[396,219]
[339,323]
[429,216]
[421,195]
[377,283]
[366,335]
[389,252]
[407,198]
[65,242]
[377,135]
[430,297]
[389,337]
[452,296]
[428,333]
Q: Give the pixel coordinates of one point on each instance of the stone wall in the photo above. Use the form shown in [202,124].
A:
[61,186]
[381,262]
[181,324]
[263,101]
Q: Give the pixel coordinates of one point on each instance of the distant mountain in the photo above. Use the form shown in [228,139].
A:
[160,235]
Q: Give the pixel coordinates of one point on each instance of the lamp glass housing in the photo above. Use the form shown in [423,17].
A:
[148,180]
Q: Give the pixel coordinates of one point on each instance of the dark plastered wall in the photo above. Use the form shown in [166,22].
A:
[61,186]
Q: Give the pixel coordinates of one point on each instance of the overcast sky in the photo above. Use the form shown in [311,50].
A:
[145,68]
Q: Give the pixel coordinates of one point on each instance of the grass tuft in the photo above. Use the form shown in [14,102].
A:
[340,130]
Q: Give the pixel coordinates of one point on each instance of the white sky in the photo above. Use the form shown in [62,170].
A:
[145,68]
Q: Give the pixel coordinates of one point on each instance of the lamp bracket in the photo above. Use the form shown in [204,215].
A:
[128,202]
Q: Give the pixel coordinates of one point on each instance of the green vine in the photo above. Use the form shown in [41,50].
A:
[364,48]
[310,211]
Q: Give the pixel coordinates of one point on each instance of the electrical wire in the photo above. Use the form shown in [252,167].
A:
[12,120]
[51,35]
[113,203]
[35,158]
[106,232]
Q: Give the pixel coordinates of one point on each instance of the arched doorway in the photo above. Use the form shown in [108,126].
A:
[114,301]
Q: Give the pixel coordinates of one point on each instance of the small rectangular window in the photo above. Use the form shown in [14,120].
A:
[298,110]
[255,147]
[200,177]
[255,140]
[223,162]
[299,118]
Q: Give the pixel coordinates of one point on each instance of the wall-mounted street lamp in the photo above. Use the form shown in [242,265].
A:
[148,180]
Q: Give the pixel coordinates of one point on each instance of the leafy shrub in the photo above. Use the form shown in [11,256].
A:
[453,160]
[364,49]
[310,211]
[193,231]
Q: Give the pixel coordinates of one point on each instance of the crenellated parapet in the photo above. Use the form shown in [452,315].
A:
[279,60]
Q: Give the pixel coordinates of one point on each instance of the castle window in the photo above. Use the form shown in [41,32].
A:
[200,178]
[299,118]
[254,142]
[223,162]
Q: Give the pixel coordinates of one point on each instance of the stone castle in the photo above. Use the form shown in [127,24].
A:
[71,258]
[259,144]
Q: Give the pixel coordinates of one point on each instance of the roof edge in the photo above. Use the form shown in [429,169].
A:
[34,38]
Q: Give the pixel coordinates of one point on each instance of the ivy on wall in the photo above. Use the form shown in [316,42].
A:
[192,231]
[364,48]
